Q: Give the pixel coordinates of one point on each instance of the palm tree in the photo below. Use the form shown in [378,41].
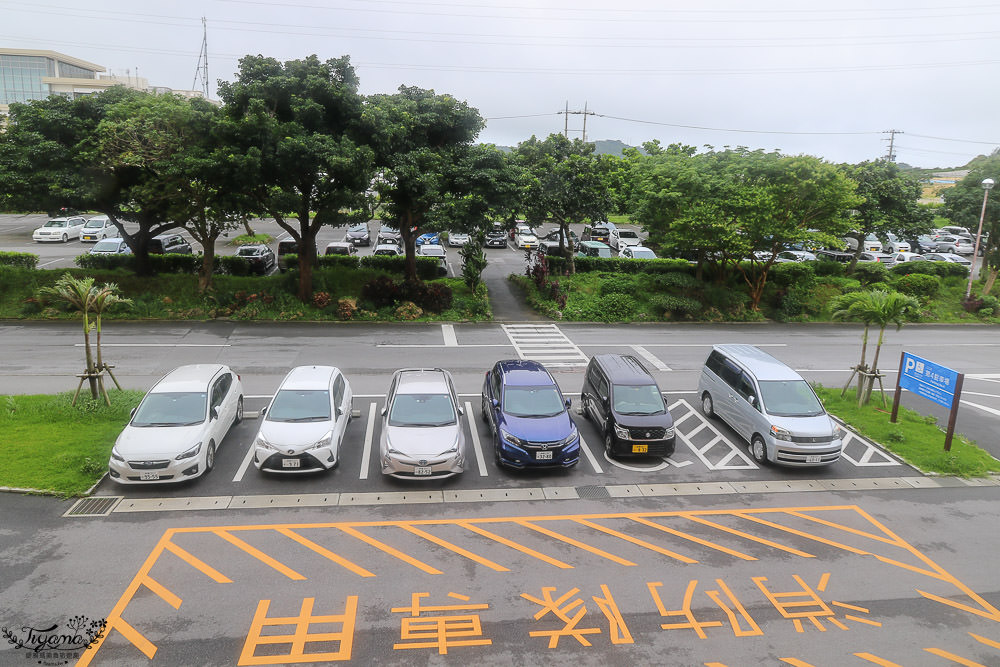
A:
[105,297]
[79,294]
[852,306]
[878,307]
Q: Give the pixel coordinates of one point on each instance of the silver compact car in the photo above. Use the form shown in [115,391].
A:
[303,426]
[174,433]
[422,435]
[769,405]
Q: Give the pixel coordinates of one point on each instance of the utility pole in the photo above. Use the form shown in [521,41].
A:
[584,122]
[584,113]
[566,121]
[201,70]
[892,142]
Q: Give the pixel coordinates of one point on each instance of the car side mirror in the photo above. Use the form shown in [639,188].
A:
[569,402]
[751,399]
[131,413]
[384,410]
[495,403]
[461,411]
[215,412]
[263,411]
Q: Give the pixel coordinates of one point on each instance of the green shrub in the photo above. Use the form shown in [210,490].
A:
[990,306]
[426,266]
[880,287]
[171,263]
[926,268]
[674,280]
[725,298]
[24,260]
[623,265]
[919,285]
[870,272]
[616,308]
[797,301]
[825,267]
[380,292]
[675,305]
[617,285]
[792,273]
[350,261]
[843,283]
[233,266]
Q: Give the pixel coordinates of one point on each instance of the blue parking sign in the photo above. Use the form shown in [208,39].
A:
[925,378]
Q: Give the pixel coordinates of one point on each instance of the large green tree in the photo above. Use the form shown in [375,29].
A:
[963,205]
[567,184]
[309,161]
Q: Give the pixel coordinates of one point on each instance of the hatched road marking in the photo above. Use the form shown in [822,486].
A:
[715,446]
[544,343]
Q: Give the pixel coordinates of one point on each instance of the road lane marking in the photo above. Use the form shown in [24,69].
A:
[585,448]
[543,342]
[55,261]
[701,452]
[392,551]
[486,562]
[651,358]
[636,541]
[326,553]
[366,453]
[238,477]
[448,332]
[259,555]
[160,345]
[514,545]
[992,411]
[474,432]
[576,543]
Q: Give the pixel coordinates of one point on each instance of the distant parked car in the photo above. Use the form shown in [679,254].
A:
[959,245]
[303,426]
[593,249]
[387,234]
[390,249]
[340,248]
[260,257]
[834,256]
[165,244]
[114,246]
[903,257]
[422,435]
[430,238]
[526,240]
[553,235]
[795,256]
[895,244]
[59,229]
[97,228]
[623,237]
[947,257]
[926,243]
[880,257]
[174,433]
[431,250]
[358,234]
[956,230]
[457,239]
[496,239]
[637,252]
[871,244]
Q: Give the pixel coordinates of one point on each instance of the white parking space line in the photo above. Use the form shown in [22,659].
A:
[725,463]
[992,411]
[245,465]
[55,261]
[160,345]
[545,343]
[651,358]
[710,345]
[448,332]
[585,448]
[473,430]
[366,453]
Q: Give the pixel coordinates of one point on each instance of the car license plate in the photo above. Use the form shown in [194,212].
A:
[543,456]
[147,476]
[291,463]
[421,470]
[640,449]
[813,458]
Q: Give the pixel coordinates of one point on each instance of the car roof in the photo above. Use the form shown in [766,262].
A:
[525,372]
[761,364]
[309,377]
[595,244]
[193,377]
[339,244]
[252,247]
[624,369]
[421,381]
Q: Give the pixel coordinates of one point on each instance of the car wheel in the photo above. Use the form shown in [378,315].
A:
[486,417]
[609,446]
[706,405]
[210,458]
[239,412]
[496,452]
[758,450]
[65,238]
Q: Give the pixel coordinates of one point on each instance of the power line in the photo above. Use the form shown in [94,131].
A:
[726,129]
[963,141]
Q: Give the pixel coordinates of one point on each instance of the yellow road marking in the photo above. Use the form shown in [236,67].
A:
[840,526]
[748,536]
[984,640]
[198,564]
[635,540]
[147,647]
[576,543]
[260,555]
[693,538]
[824,580]
[457,549]
[850,606]
[881,662]
[326,553]
[794,662]
[954,658]
[514,545]
[808,536]
[161,590]
[390,550]
[859,619]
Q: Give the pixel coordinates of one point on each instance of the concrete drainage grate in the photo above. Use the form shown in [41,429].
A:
[94,506]
[592,492]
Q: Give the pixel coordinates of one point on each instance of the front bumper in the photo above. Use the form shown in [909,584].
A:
[628,447]
[401,466]
[314,460]
[799,454]
[514,456]
[162,471]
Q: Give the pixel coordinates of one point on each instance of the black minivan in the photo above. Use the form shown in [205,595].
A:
[621,397]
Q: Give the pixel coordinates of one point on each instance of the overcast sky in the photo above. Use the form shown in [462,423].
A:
[825,79]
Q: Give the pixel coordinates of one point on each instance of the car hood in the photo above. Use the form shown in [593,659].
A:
[538,429]
[292,435]
[422,441]
[818,426]
[158,442]
[662,420]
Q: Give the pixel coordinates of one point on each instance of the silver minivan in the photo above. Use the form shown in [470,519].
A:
[770,406]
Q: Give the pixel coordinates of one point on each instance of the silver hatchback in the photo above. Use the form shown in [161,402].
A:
[422,436]
[770,406]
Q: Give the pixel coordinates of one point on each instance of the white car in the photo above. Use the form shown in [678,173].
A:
[457,239]
[390,249]
[958,245]
[303,426]
[98,228]
[422,435]
[526,240]
[174,433]
[113,246]
[947,257]
[59,229]
[903,257]
[896,244]
[432,250]
[794,256]
[621,238]
[637,252]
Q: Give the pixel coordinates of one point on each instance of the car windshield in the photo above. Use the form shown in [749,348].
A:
[422,410]
[644,254]
[436,252]
[300,405]
[247,252]
[642,399]
[603,252]
[387,228]
[789,398]
[107,244]
[533,401]
[171,409]
[55,223]
[626,234]
[360,227]
[94,224]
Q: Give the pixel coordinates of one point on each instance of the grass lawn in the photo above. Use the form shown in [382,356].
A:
[52,446]
[914,438]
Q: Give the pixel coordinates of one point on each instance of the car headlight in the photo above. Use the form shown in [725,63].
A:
[838,433]
[261,441]
[668,432]
[116,456]
[512,439]
[781,434]
[452,449]
[571,437]
[621,432]
[189,453]
[325,441]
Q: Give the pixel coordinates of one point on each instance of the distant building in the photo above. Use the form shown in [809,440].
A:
[28,74]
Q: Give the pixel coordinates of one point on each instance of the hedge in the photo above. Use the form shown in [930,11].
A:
[427,267]
[557,265]
[942,269]
[24,260]
[171,263]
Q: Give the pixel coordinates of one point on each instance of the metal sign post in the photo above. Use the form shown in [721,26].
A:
[934,382]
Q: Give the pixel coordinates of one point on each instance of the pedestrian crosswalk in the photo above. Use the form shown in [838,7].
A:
[544,343]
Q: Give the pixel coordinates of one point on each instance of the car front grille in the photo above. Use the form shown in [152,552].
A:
[555,445]
[652,433]
[812,440]
[826,456]
[148,465]
[160,479]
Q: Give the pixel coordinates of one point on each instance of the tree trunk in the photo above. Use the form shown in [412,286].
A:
[246,226]
[91,370]
[866,395]
[570,255]
[409,238]
[990,279]
[207,265]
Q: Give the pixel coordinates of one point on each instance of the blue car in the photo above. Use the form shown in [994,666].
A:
[430,238]
[529,417]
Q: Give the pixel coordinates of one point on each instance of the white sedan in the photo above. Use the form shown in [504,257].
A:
[59,229]
[97,228]
[526,240]
[303,426]
[174,433]
[794,256]
[637,252]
